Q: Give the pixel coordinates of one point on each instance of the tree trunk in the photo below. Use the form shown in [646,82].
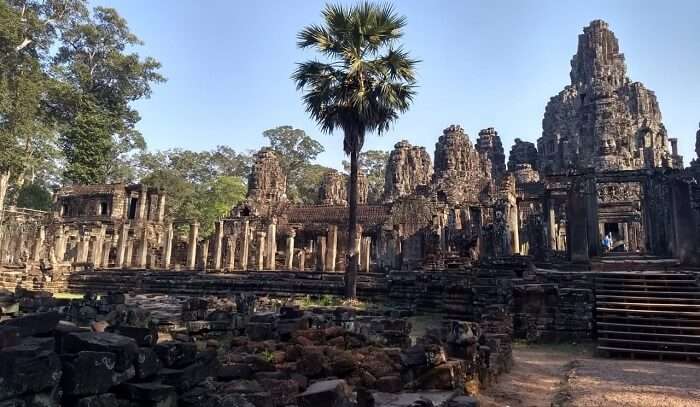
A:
[4,183]
[351,256]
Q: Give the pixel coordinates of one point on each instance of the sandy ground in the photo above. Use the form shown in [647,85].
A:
[570,376]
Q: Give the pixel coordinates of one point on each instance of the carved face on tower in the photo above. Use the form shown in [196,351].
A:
[607,146]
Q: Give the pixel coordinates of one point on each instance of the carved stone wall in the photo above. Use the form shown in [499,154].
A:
[267,181]
[462,175]
[408,167]
[525,174]
[334,189]
[602,120]
[522,152]
[489,144]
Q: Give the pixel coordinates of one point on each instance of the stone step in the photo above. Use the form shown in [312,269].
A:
[693,355]
[652,297]
[614,334]
[654,344]
[640,328]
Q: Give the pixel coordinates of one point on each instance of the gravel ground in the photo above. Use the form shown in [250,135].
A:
[634,383]
[570,376]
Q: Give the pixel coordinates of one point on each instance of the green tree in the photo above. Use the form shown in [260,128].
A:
[296,150]
[34,196]
[202,186]
[309,181]
[373,164]
[28,29]
[363,86]
[99,81]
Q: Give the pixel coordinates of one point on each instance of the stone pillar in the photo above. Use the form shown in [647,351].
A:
[97,246]
[141,211]
[685,236]
[358,247]
[332,247]
[366,250]
[106,248]
[121,246]
[321,254]
[204,255]
[245,245]
[128,261]
[192,246]
[39,243]
[289,260]
[83,249]
[161,207]
[514,228]
[60,246]
[626,235]
[302,260]
[261,251]
[218,242]
[271,246]
[231,252]
[551,224]
[168,246]
[142,255]
[577,224]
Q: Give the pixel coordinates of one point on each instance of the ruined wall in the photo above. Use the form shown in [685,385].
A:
[408,168]
[602,120]
[522,152]
[267,181]
[461,174]
[525,174]
[333,190]
[489,144]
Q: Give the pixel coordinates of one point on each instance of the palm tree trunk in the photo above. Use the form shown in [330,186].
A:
[351,256]
[4,183]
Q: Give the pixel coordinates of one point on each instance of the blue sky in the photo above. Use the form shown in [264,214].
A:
[484,64]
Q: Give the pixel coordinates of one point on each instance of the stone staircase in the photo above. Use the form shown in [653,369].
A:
[648,314]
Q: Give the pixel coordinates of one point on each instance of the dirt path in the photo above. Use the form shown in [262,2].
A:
[573,377]
[535,377]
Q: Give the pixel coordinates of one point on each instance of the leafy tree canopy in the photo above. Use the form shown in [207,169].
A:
[295,150]
[373,164]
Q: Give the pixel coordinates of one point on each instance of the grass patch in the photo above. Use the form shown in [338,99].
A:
[331,301]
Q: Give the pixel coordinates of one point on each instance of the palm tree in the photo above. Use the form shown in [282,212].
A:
[364,83]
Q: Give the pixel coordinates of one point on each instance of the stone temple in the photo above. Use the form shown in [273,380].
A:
[502,249]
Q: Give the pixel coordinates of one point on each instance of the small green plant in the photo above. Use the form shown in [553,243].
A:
[268,356]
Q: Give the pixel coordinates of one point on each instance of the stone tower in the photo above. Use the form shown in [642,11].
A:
[602,120]
[267,182]
[461,173]
[408,167]
[489,144]
[522,152]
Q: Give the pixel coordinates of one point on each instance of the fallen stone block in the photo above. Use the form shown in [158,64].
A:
[91,373]
[123,348]
[330,393]
[146,363]
[463,401]
[142,336]
[24,370]
[175,354]
[9,336]
[235,371]
[40,323]
[147,391]
[100,400]
[184,379]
